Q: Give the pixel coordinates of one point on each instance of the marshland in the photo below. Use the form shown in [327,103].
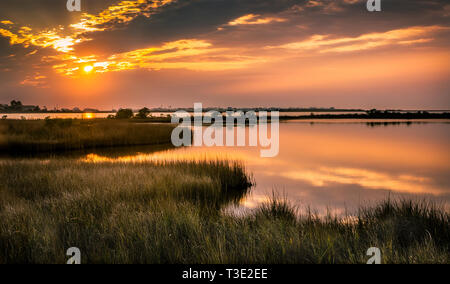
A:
[117,191]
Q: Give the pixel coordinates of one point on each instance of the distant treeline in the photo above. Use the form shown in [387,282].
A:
[375,114]
[18,107]
[316,113]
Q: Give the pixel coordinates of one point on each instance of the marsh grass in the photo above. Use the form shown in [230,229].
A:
[172,213]
[51,135]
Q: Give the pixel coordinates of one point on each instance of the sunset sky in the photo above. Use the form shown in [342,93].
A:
[285,53]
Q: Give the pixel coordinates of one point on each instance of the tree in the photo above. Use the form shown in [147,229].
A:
[15,103]
[143,113]
[124,114]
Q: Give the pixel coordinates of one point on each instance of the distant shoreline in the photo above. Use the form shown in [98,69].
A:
[166,118]
[223,110]
[407,116]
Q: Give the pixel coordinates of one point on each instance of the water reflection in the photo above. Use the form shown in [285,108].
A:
[335,166]
[112,153]
[88,115]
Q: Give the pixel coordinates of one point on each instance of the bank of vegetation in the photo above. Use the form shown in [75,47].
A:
[173,212]
[54,135]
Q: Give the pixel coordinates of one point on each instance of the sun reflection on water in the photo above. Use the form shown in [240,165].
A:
[88,116]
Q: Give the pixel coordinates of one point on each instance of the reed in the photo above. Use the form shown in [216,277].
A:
[51,135]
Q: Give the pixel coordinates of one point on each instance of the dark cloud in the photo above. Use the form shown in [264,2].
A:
[202,18]
[44,14]
[12,56]
[183,19]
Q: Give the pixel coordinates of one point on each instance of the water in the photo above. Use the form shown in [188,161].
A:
[34,116]
[335,165]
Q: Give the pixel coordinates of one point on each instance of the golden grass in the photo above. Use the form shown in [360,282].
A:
[71,134]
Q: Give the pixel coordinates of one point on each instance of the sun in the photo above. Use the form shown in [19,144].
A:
[88,69]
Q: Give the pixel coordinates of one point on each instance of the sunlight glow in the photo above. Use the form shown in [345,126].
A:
[88,69]
[88,115]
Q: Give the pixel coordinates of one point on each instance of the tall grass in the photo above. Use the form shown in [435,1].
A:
[17,136]
[171,213]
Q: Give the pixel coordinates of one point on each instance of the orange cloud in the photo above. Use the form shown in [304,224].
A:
[324,43]
[36,80]
[188,54]
[64,42]
[252,19]
[121,13]
[50,38]
[6,22]
[328,7]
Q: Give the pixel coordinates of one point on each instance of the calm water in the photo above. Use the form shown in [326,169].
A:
[34,116]
[336,165]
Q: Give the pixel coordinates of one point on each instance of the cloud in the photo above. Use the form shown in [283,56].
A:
[252,19]
[36,80]
[183,19]
[49,38]
[190,54]
[328,43]
[63,41]
[122,13]
[446,11]
[203,35]
[6,22]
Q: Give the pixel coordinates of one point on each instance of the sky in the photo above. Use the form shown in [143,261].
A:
[240,53]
